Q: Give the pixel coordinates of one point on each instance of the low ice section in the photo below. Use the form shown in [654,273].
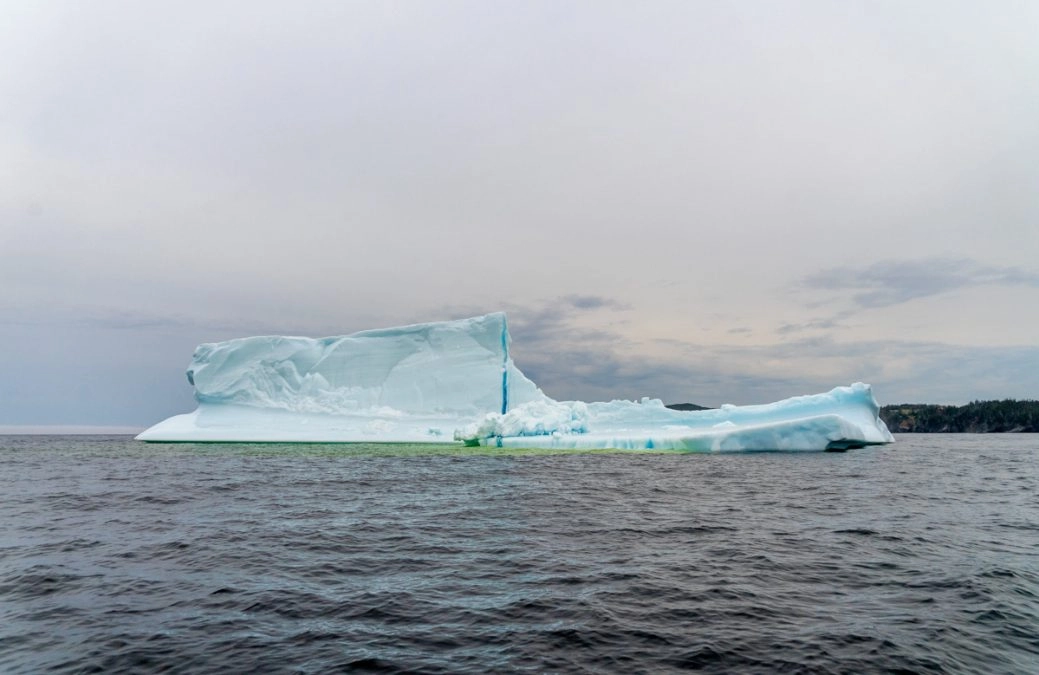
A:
[844,418]
[455,381]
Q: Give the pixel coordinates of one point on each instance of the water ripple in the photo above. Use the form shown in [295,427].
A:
[117,556]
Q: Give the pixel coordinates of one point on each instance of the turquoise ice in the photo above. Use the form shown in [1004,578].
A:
[455,381]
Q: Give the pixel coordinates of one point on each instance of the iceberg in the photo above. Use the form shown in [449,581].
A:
[455,382]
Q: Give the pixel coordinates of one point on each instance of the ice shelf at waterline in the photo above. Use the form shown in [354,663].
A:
[455,381]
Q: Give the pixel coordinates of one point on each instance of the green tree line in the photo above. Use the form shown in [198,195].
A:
[976,417]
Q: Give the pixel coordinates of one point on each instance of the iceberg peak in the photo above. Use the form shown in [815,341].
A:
[460,367]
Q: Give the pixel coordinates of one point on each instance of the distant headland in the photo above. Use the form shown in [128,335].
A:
[979,417]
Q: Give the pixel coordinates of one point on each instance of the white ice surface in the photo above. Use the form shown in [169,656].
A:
[843,417]
[451,367]
[454,381]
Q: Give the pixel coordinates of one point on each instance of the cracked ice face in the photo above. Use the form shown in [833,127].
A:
[458,367]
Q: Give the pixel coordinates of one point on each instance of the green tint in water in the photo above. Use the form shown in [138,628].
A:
[383,449]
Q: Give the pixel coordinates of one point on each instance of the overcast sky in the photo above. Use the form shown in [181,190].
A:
[698,201]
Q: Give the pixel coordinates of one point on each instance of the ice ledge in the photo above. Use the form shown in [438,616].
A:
[843,418]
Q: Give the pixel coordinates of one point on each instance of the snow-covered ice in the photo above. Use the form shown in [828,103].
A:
[455,381]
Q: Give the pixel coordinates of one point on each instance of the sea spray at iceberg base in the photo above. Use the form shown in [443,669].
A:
[454,381]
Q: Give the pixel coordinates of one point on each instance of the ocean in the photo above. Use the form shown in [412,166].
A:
[119,556]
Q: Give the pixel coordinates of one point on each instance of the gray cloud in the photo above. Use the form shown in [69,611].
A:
[595,302]
[572,362]
[900,371]
[894,282]
[153,320]
[137,320]
[836,321]
[824,324]
[547,323]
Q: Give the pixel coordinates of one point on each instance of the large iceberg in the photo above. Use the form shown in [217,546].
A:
[454,381]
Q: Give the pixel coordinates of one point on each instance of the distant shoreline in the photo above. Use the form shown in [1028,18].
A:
[978,417]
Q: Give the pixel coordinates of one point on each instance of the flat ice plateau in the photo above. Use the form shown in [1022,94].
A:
[455,381]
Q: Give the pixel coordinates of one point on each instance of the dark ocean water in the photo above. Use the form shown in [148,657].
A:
[117,556]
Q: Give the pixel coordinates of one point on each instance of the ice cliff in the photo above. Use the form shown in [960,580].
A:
[455,381]
[453,367]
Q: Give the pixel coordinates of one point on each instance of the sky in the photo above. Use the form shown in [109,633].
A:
[709,202]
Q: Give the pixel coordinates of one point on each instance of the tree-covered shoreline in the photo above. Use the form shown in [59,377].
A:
[1004,416]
